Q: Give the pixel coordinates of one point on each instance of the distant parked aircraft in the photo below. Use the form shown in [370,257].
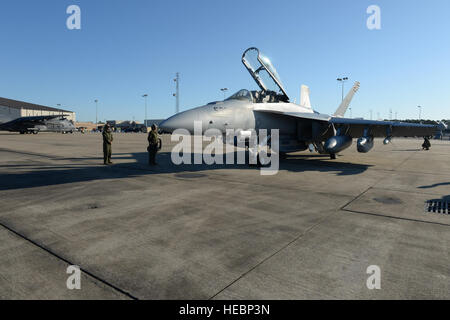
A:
[55,123]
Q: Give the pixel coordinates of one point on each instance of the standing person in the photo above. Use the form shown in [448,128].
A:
[152,145]
[426,144]
[107,141]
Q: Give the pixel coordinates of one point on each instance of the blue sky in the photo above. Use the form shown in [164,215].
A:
[127,48]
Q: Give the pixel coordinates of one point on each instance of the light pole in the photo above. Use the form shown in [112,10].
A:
[351,114]
[177,94]
[420,112]
[145,118]
[371,114]
[342,80]
[96,111]
[224,90]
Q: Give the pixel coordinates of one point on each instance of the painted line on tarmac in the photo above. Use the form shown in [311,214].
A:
[69,262]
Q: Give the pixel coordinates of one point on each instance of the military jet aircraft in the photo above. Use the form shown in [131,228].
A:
[55,123]
[300,127]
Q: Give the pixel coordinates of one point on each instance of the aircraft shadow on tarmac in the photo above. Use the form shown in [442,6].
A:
[406,150]
[57,174]
[445,199]
[435,185]
[438,205]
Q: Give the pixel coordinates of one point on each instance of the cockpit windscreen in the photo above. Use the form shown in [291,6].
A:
[243,95]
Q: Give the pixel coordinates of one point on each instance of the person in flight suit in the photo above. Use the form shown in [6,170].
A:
[107,141]
[152,145]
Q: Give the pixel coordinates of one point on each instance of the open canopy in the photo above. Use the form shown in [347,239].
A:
[264,73]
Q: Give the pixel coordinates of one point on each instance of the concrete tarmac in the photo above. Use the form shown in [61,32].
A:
[220,231]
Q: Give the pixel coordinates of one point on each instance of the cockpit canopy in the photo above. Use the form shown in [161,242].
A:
[257,96]
[264,73]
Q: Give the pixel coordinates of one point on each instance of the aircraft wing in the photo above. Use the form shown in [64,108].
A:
[356,127]
[38,118]
[33,120]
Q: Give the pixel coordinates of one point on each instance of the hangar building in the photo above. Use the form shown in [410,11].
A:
[17,109]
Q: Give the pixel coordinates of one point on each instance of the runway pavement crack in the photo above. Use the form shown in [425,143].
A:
[398,218]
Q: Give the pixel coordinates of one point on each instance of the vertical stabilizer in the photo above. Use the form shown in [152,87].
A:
[340,112]
[304,97]
[442,125]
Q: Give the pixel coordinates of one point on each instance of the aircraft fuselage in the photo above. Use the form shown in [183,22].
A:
[243,116]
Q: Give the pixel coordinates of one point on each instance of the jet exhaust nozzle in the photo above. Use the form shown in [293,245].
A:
[364,144]
[337,143]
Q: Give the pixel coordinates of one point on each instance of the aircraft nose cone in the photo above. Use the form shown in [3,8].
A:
[183,120]
[167,125]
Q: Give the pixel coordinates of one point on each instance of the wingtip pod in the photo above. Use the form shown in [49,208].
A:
[340,112]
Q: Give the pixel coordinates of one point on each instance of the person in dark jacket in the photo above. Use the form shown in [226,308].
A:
[426,144]
[152,145]
[107,141]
